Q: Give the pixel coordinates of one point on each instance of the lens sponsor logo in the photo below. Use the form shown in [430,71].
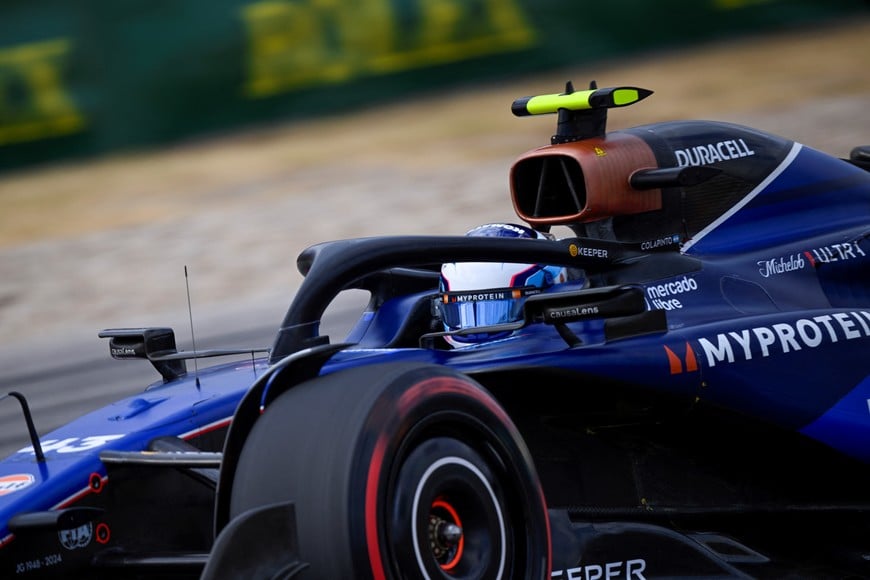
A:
[785,337]
[573,312]
[17,482]
[713,152]
[781,265]
[660,295]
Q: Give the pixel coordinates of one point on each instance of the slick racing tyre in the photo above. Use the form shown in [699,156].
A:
[398,471]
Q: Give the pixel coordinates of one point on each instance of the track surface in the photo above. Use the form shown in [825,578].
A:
[105,243]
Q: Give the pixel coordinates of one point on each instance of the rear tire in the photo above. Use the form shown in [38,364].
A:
[398,471]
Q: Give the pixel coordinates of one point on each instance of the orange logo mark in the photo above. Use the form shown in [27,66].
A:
[677,364]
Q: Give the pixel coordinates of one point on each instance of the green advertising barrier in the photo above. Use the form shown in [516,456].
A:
[79,79]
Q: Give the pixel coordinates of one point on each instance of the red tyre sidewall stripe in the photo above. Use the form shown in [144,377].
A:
[404,406]
[372,537]
[448,385]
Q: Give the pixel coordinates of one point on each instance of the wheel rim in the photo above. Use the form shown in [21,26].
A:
[449,515]
[446,536]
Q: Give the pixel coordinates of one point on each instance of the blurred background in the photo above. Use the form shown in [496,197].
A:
[142,137]
[101,75]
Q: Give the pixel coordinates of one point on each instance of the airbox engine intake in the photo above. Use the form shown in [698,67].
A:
[583,181]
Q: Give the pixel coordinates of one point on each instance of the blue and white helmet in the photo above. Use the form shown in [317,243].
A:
[476,294]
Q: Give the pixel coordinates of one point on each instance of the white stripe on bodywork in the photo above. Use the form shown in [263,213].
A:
[749,197]
[206,428]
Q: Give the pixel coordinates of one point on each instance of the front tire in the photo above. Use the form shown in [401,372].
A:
[398,471]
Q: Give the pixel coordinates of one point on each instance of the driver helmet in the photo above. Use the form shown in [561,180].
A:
[477,294]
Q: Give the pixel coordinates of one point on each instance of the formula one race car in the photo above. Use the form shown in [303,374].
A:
[679,388]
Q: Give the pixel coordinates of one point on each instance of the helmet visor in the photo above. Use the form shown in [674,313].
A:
[476,308]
